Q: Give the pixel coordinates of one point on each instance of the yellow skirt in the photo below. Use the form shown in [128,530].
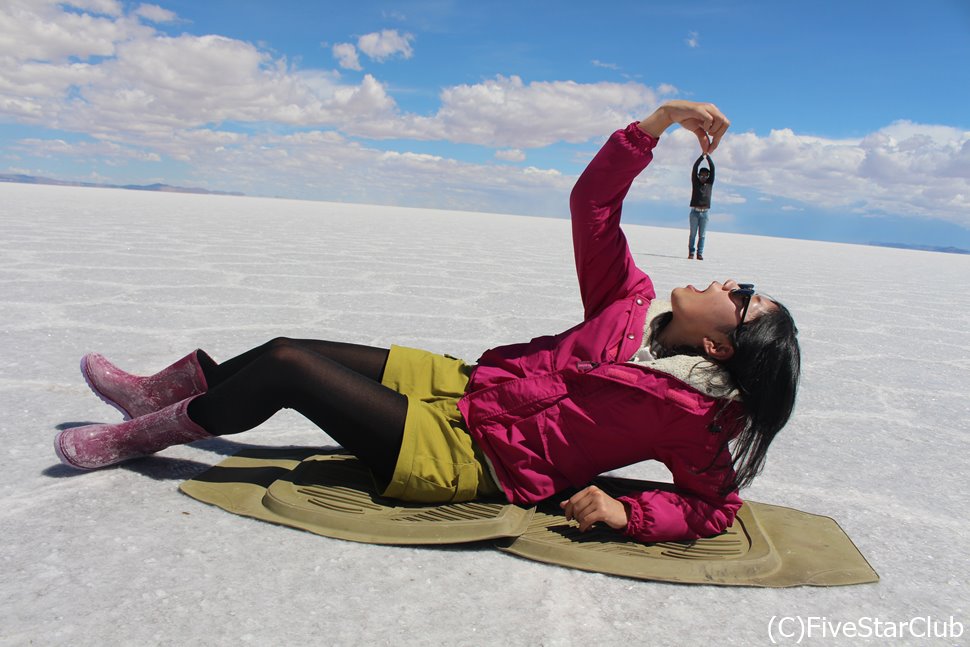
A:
[439,462]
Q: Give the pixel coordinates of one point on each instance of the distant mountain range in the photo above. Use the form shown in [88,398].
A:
[925,248]
[164,188]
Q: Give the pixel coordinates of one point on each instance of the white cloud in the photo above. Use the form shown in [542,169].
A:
[409,157]
[39,30]
[144,82]
[325,164]
[727,196]
[693,39]
[105,7]
[505,111]
[609,66]
[542,172]
[154,13]
[148,84]
[385,43]
[346,55]
[905,169]
[510,155]
[38,83]
[158,84]
[95,150]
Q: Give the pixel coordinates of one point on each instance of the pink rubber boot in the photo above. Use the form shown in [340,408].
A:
[136,396]
[93,446]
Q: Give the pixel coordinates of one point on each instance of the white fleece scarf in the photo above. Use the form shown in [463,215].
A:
[697,371]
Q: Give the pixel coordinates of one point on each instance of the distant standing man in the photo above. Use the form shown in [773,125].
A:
[700,204]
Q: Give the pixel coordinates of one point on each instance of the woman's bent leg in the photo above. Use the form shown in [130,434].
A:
[364,360]
[358,412]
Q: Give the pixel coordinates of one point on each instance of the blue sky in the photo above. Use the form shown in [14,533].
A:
[850,120]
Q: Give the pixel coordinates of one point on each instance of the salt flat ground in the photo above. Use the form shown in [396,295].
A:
[879,440]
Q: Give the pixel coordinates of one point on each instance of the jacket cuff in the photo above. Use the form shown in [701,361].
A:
[640,139]
[635,525]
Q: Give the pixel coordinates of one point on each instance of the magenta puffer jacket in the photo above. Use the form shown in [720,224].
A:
[557,411]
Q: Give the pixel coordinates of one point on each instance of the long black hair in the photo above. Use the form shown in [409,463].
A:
[765,369]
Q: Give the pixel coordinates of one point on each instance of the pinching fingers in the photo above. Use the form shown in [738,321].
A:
[704,141]
[718,128]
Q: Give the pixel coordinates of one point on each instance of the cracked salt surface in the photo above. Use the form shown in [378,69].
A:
[879,440]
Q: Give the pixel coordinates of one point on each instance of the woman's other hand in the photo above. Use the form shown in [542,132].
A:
[591,505]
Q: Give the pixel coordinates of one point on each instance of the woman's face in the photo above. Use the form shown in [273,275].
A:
[715,311]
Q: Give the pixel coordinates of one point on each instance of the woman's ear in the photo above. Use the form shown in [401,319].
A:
[719,349]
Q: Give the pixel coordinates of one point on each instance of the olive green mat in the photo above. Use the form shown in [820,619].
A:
[332,494]
[767,545]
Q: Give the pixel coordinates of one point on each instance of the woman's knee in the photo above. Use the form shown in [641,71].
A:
[284,351]
[279,342]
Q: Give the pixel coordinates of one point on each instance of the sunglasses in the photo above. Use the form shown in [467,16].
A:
[746,291]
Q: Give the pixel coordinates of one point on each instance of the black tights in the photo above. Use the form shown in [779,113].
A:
[337,386]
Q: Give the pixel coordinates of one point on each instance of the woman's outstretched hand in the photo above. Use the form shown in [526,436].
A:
[702,119]
[592,504]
